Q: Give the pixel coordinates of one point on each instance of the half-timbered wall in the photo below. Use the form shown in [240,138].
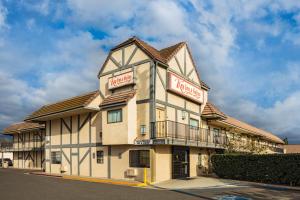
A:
[77,138]
[128,58]
[28,149]
[182,65]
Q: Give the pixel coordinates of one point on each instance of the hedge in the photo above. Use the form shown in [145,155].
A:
[269,168]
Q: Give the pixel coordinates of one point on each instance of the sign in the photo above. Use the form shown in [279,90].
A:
[120,80]
[142,142]
[182,87]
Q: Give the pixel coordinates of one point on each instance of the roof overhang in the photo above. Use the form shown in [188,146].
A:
[65,113]
[213,117]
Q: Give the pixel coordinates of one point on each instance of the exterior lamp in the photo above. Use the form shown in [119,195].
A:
[183,115]
[143,129]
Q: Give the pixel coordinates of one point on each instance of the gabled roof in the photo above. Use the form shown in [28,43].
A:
[118,98]
[170,51]
[22,126]
[256,131]
[163,56]
[211,111]
[151,51]
[64,105]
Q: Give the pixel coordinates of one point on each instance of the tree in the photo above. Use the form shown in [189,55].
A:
[285,140]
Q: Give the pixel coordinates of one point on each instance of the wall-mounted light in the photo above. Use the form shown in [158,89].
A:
[143,129]
[183,115]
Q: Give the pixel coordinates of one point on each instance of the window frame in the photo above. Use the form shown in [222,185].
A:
[101,158]
[114,110]
[138,161]
[58,162]
[194,127]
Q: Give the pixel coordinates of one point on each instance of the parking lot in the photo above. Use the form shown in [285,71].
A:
[16,184]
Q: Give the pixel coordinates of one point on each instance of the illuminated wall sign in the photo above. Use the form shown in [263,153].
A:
[184,88]
[120,80]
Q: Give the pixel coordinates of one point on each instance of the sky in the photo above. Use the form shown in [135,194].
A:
[246,51]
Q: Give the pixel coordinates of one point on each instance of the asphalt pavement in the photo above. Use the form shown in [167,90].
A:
[17,184]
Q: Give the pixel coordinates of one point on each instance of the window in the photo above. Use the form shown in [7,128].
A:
[114,116]
[55,157]
[216,132]
[194,123]
[100,155]
[216,135]
[139,158]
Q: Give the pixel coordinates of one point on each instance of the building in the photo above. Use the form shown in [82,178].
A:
[28,144]
[151,112]
[291,148]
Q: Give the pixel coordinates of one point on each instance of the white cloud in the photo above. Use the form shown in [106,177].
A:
[80,55]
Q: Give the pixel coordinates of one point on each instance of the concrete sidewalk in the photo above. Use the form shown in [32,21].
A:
[209,183]
[197,182]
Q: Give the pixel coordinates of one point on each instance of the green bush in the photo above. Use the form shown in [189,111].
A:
[269,168]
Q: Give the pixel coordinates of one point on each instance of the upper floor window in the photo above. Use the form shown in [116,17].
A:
[194,123]
[114,116]
[216,132]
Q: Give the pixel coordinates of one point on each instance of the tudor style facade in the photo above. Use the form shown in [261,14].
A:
[28,145]
[151,112]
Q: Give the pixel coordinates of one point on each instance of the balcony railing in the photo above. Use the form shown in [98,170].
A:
[175,130]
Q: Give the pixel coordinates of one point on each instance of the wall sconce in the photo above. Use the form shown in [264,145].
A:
[143,129]
[183,115]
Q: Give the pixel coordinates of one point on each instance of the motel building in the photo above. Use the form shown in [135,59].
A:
[150,116]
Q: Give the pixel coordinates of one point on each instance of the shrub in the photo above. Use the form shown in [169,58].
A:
[268,168]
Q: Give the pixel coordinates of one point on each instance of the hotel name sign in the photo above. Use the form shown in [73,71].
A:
[120,80]
[182,87]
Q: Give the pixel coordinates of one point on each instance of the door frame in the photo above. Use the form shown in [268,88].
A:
[187,150]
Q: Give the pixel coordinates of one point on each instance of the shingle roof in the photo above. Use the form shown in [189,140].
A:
[252,129]
[170,51]
[65,105]
[154,53]
[118,98]
[292,148]
[22,126]
[211,110]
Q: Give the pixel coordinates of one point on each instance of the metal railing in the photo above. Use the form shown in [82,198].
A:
[37,146]
[176,130]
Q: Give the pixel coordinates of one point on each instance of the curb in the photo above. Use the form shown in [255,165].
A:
[44,174]
[91,180]
[106,181]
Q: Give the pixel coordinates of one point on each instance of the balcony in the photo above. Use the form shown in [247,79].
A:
[170,132]
[28,146]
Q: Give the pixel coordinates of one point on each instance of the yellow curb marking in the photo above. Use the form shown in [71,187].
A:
[94,180]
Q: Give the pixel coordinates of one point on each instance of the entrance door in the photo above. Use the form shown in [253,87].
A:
[180,162]
[160,123]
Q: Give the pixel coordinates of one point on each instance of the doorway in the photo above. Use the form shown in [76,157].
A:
[180,162]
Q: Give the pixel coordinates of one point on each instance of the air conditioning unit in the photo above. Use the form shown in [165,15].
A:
[131,172]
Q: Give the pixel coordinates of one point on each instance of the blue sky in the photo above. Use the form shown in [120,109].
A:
[247,52]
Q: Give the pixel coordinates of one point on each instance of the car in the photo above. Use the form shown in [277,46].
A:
[9,161]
